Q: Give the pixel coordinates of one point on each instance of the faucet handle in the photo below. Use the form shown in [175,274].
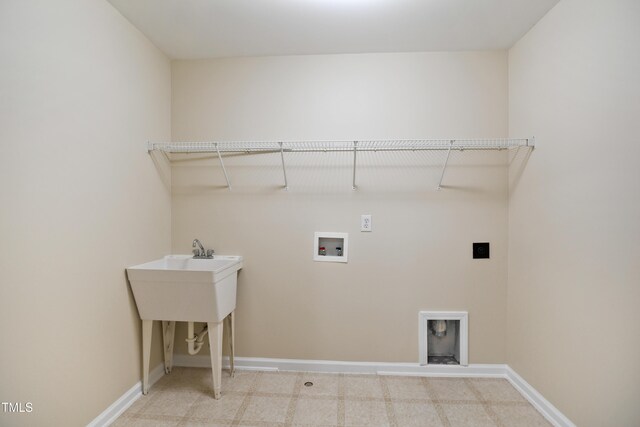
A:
[196,252]
[210,253]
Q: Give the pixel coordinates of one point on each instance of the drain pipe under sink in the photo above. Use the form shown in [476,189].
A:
[195,341]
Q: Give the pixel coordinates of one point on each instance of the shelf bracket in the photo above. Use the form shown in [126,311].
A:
[355,147]
[151,148]
[444,167]
[224,170]
[284,169]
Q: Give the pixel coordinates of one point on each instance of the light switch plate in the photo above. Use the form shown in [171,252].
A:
[365,223]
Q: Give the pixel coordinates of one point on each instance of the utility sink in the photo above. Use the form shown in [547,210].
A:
[182,288]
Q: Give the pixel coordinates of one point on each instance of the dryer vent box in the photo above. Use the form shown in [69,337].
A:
[444,338]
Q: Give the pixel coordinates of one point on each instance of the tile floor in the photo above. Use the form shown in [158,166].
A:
[271,399]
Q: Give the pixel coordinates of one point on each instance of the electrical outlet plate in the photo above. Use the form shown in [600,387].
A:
[481,250]
[365,223]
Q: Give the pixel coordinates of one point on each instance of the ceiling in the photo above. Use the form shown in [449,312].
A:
[192,29]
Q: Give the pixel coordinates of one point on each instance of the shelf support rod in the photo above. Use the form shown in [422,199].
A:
[284,169]
[224,170]
[445,164]
[355,147]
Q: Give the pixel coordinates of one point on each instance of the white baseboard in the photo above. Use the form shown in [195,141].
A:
[550,412]
[330,366]
[110,414]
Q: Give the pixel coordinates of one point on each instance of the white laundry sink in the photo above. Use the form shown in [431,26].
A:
[182,288]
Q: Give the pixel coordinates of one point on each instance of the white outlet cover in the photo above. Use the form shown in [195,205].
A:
[365,223]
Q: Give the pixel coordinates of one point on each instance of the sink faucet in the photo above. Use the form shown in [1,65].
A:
[199,250]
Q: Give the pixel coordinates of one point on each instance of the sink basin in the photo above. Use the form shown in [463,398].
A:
[179,287]
[182,288]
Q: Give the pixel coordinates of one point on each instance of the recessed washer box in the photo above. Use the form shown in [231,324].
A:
[330,247]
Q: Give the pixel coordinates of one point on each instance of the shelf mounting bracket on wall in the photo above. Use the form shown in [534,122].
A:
[284,169]
[224,170]
[355,149]
[445,164]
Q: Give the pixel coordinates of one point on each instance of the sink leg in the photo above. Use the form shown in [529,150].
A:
[215,347]
[231,335]
[147,329]
[168,333]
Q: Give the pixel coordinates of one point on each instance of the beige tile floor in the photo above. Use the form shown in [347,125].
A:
[271,399]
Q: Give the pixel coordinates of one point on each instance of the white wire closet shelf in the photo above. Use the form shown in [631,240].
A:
[345,145]
[219,147]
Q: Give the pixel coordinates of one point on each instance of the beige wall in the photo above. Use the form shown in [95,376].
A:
[574,211]
[418,256]
[80,93]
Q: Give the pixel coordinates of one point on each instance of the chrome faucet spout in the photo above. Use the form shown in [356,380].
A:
[196,242]
[199,251]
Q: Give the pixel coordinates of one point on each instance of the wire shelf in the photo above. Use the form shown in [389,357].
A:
[327,146]
[353,147]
